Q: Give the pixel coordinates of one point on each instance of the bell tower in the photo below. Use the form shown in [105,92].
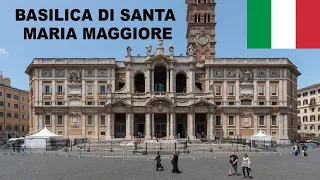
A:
[201,28]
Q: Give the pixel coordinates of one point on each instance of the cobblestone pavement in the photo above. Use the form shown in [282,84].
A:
[49,167]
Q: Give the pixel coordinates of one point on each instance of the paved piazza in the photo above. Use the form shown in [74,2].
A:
[49,167]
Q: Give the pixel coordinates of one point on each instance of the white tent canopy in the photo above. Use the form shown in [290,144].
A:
[39,140]
[44,134]
[260,136]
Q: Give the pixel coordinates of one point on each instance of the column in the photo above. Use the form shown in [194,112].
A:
[171,80]
[147,126]
[129,126]
[207,80]
[167,81]
[108,127]
[128,78]
[65,97]
[268,124]
[83,89]
[224,93]
[224,125]
[285,126]
[281,88]
[40,93]
[237,125]
[152,80]
[83,125]
[96,125]
[66,125]
[210,125]
[53,97]
[113,75]
[255,123]
[168,126]
[36,123]
[237,93]
[112,119]
[191,80]
[53,123]
[267,92]
[40,121]
[214,125]
[152,126]
[95,92]
[191,122]
[173,132]
[255,89]
[147,81]
[285,92]
[280,121]
[36,88]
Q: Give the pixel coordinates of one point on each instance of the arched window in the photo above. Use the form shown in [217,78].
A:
[139,83]
[160,79]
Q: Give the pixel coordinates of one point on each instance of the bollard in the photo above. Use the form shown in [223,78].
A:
[124,155]
[210,149]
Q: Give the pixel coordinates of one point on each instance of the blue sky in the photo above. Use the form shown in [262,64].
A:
[16,53]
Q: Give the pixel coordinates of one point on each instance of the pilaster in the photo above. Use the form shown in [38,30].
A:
[168,126]
[153,134]
[191,122]
[224,124]
[285,124]
[280,121]
[96,125]
[237,93]
[54,89]
[255,123]
[83,125]
[83,89]
[267,92]
[173,132]
[108,127]
[255,89]
[66,125]
[147,126]
[225,93]
[53,123]
[268,123]
[237,125]
[129,125]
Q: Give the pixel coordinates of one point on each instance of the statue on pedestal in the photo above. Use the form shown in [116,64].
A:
[190,50]
[160,43]
[171,49]
[129,50]
[149,49]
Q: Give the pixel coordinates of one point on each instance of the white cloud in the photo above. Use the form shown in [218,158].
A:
[3,52]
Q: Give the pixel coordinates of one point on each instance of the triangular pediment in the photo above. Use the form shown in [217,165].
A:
[160,100]
[202,102]
[118,102]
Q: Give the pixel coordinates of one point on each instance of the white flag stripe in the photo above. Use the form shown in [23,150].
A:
[283,24]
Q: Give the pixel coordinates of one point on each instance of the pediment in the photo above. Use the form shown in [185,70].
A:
[118,102]
[202,102]
[159,59]
[160,100]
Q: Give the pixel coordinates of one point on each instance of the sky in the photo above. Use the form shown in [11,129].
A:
[16,53]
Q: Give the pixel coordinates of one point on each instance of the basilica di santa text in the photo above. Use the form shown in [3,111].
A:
[164,95]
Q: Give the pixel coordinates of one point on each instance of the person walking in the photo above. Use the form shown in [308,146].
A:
[174,162]
[233,159]
[295,150]
[246,166]
[158,159]
[304,149]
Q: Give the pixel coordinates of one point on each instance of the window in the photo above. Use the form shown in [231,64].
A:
[218,103]
[231,133]
[9,104]
[231,120]
[231,90]
[22,128]
[218,120]
[274,134]
[312,118]
[89,103]
[60,121]
[261,103]
[15,106]
[218,90]
[16,116]
[275,73]
[1,103]
[47,103]
[89,73]
[274,90]
[22,107]
[312,92]
[59,89]
[89,90]
[102,133]
[231,73]
[319,91]
[22,98]
[22,116]
[103,103]
[0,93]
[15,97]
[9,115]
[89,120]
[102,120]
[261,73]
[261,120]
[298,111]
[0,127]
[312,109]
[8,95]
[47,120]
[231,103]
[299,95]
[60,103]
[305,94]
[102,89]
[89,132]
[1,114]
[261,90]
[47,90]
[274,103]
[305,110]
[59,132]
[274,120]
[16,127]
[218,73]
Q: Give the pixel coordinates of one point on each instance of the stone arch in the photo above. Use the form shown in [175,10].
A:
[157,100]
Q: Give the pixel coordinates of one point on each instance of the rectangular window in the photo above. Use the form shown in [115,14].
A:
[261,120]
[231,120]
[231,133]
[261,73]
[274,90]
[59,89]
[8,95]
[47,89]
[89,120]
[102,133]
[275,73]
[89,103]
[15,128]
[218,120]
[231,90]
[22,107]
[218,90]
[9,104]
[1,114]
[22,128]
[102,89]
[299,95]
[89,90]
[231,103]
[274,120]
[274,134]
[261,90]
[0,93]
[22,98]
[9,115]
[305,110]
[47,120]
[60,121]
[1,103]
[102,103]
[15,106]
[218,73]
[261,103]
[102,120]
[22,116]
[15,97]
[59,132]
[16,116]
[1,127]
[90,133]
[274,103]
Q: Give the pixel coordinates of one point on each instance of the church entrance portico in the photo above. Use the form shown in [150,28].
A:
[120,126]
[201,125]
[160,125]
[139,125]
[181,125]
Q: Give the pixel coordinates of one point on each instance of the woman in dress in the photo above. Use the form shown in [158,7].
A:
[174,162]
[246,166]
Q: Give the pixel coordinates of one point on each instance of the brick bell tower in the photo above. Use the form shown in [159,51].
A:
[201,28]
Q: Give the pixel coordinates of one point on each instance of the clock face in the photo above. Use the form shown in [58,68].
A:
[203,40]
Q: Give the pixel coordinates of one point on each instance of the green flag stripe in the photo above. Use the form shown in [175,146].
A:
[259,23]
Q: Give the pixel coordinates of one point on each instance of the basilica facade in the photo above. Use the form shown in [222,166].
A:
[164,95]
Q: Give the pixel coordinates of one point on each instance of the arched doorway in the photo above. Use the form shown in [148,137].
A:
[139,83]
[160,78]
[181,83]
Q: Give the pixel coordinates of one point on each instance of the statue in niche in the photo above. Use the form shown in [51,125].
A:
[190,50]
[171,49]
[246,76]
[160,43]
[149,49]
[211,88]
[109,87]
[129,50]
[74,77]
